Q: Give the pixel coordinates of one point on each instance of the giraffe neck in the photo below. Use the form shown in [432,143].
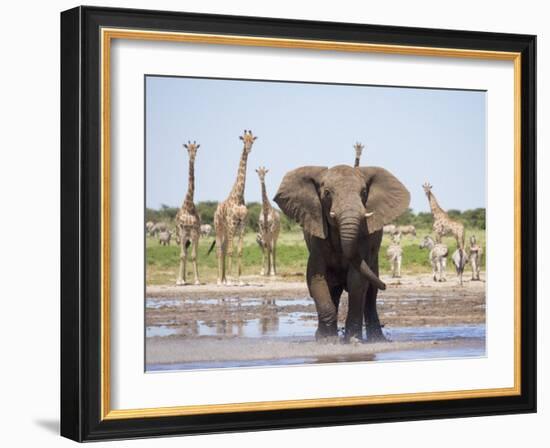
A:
[356,165]
[188,203]
[237,192]
[266,206]
[265,200]
[437,211]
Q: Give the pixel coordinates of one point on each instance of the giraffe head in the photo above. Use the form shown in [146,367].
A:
[358,149]
[427,188]
[262,171]
[191,149]
[248,140]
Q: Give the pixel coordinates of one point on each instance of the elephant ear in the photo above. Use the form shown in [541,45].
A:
[387,197]
[298,198]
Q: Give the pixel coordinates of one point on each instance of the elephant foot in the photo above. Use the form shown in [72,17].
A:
[329,340]
[354,340]
[326,333]
[375,334]
[353,335]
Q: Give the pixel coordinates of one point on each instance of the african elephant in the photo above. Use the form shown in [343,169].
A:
[342,211]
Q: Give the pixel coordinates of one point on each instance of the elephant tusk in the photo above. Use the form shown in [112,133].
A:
[368,214]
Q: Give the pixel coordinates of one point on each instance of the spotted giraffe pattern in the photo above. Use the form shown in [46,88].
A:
[443,225]
[269,223]
[188,223]
[231,216]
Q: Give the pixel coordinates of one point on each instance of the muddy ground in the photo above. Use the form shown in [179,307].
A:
[273,322]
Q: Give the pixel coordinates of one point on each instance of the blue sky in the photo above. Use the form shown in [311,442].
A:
[418,134]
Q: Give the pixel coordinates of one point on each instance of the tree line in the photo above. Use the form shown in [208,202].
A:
[474,218]
[206,210]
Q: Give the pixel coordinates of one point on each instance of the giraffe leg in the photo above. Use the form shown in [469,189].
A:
[262,247]
[239,257]
[194,250]
[229,256]
[223,262]
[220,255]
[269,258]
[182,274]
[273,270]
[275,256]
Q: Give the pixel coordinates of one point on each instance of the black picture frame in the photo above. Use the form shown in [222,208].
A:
[81,224]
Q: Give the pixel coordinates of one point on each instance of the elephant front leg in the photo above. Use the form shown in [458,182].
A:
[357,288]
[326,310]
[372,321]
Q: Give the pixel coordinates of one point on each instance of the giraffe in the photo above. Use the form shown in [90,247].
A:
[443,225]
[358,150]
[269,223]
[188,222]
[231,215]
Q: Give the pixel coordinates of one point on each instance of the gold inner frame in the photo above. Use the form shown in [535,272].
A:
[107,35]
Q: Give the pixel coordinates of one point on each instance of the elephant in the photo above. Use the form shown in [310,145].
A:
[342,211]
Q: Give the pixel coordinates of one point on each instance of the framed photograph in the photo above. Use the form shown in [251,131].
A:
[272,223]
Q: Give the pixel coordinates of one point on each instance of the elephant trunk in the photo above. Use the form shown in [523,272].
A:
[363,268]
[349,226]
[349,231]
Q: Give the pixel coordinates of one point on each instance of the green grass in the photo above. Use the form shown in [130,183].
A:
[163,261]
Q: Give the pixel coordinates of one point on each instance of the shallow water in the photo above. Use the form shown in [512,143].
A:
[292,320]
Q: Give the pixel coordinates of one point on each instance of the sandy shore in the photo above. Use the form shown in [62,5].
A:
[174,350]
[254,285]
